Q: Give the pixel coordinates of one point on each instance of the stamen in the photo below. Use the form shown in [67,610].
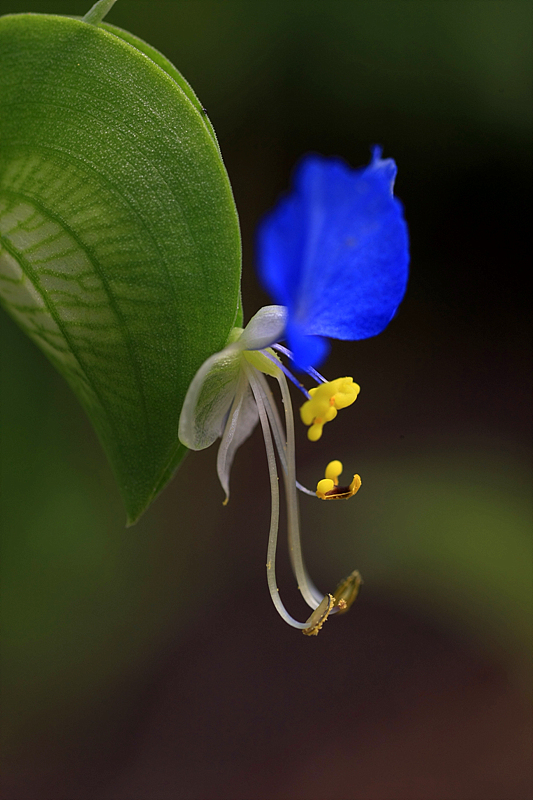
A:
[323,487]
[311,371]
[271,424]
[346,592]
[333,470]
[308,590]
[287,372]
[324,403]
[328,488]
[274,514]
[277,428]
[319,616]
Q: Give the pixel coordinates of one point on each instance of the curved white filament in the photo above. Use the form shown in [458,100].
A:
[286,450]
[274,514]
[308,590]
[277,428]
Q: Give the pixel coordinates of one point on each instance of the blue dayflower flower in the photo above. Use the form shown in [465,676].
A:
[334,252]
[334,255]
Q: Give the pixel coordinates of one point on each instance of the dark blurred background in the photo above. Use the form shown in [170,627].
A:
[149,663]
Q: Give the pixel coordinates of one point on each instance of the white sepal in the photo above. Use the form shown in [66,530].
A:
[265,328]
[242,419]
[209,398]
[213,388]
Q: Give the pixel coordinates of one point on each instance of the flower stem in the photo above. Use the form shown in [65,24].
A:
[96,14]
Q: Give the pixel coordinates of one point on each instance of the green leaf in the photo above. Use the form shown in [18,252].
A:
[119,238]
[167,67]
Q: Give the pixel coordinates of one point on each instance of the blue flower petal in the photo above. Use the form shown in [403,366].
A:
[308,351]
[335,252]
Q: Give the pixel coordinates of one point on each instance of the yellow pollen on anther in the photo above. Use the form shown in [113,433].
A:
[319,616]
[347,591]
[326,399]
[323,487]
[328,488]
[333,470]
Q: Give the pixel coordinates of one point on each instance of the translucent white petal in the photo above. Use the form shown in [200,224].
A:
[265,328]
[209,398]
[242,419]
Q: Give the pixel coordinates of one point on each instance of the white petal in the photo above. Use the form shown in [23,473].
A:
[242,419]
[209,398]
[265,328]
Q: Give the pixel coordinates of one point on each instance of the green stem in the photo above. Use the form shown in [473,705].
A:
[96,14]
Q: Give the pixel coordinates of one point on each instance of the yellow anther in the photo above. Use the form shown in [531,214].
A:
[314,433]
[333,470]
[323,487]
[328,488]
[324,402]
[347,591]
[319,616]
[346,393]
